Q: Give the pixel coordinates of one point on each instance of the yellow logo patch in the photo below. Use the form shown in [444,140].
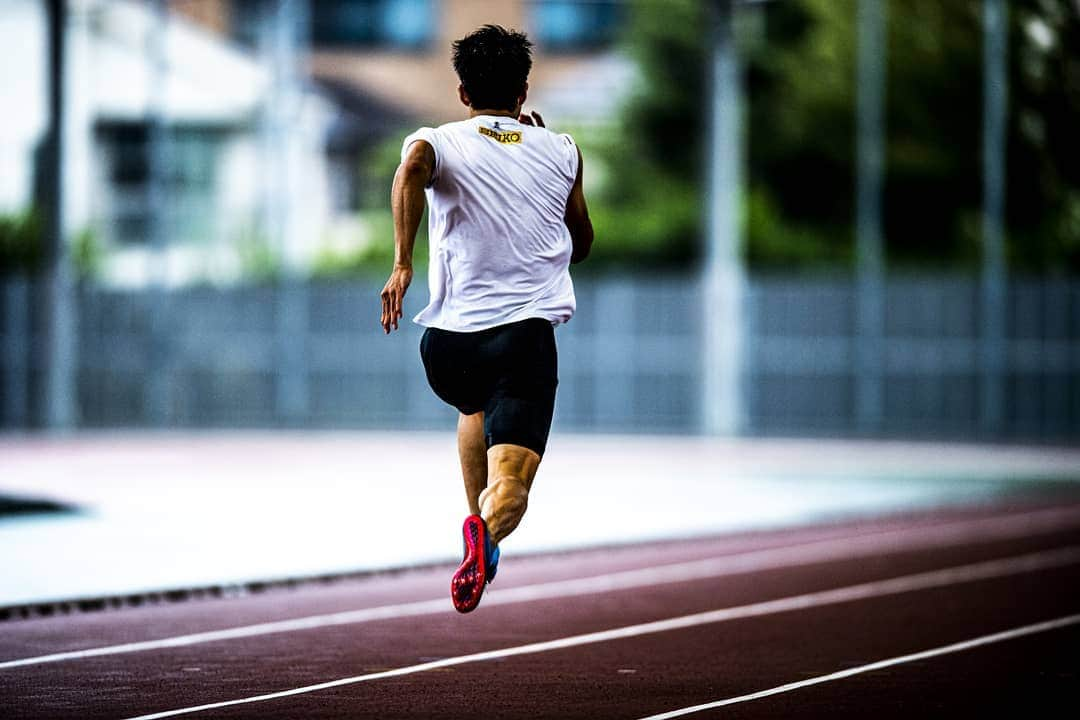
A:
[508,137]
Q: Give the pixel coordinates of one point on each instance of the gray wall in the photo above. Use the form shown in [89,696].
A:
[630,360]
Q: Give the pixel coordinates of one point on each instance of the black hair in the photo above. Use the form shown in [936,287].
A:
[493,64]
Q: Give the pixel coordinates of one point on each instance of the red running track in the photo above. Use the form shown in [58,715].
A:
[974,612]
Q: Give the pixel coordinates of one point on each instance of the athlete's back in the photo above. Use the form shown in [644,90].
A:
[500,247]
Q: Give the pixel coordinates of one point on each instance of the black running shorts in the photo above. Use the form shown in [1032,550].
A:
[509,372]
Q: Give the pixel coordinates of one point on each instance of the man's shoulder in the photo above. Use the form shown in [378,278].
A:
[433,135]
[557,138]
[452,126]
[468,125]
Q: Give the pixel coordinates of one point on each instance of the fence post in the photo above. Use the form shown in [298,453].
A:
[17,341]
[157,406]
[723,405]
[869,254]
[60,328]
[281,38]
[993,286]
[291,401]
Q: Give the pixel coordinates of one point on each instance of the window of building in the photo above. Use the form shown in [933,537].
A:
[189,164]
[575,25]
[408,24]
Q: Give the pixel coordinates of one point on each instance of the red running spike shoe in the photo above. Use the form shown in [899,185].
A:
[477,568]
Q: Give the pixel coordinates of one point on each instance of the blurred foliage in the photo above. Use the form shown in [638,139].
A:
[646,208]
[1043,197]
[799,59]
[779,242]
[22,246]
[799,117]
[259,261]
[87,253]
[21,243]
[644,173]
[639,217]
[378,166]
[374,257]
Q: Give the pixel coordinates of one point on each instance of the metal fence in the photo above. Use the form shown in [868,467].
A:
[313,355]
[803,373]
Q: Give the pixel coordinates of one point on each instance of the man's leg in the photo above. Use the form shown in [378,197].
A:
[516,421]
[511,469]
[474,459]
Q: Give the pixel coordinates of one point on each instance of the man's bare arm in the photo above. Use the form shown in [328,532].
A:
[407,204]
[577,218]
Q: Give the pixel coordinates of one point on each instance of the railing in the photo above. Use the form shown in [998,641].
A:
[630,361]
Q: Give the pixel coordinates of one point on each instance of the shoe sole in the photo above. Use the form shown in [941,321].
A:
[467,585]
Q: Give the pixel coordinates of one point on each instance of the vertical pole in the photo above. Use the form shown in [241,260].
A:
[156,404]
[723,405]
[993,286]
[16,326]
[283,28]
[59,412]
[869,255]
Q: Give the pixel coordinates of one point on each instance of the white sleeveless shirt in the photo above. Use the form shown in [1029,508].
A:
[499,247]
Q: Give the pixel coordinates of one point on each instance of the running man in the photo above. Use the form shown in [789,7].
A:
[507,217]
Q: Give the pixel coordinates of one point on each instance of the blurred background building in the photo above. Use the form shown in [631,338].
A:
[813,217]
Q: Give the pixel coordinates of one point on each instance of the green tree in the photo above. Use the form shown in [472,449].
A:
[799,65]
[21,248]
[799,59]
[1043,200]
[647,210]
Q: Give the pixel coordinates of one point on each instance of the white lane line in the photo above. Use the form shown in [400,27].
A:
[906,583]
[832,549]
[899,660]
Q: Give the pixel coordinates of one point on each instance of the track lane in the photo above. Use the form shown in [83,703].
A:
[1065,623]
[632,678]
[80,631]
[235,669]
[665,562]
[326,663]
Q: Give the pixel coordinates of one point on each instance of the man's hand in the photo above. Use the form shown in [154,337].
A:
[534,120]
[393,296]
